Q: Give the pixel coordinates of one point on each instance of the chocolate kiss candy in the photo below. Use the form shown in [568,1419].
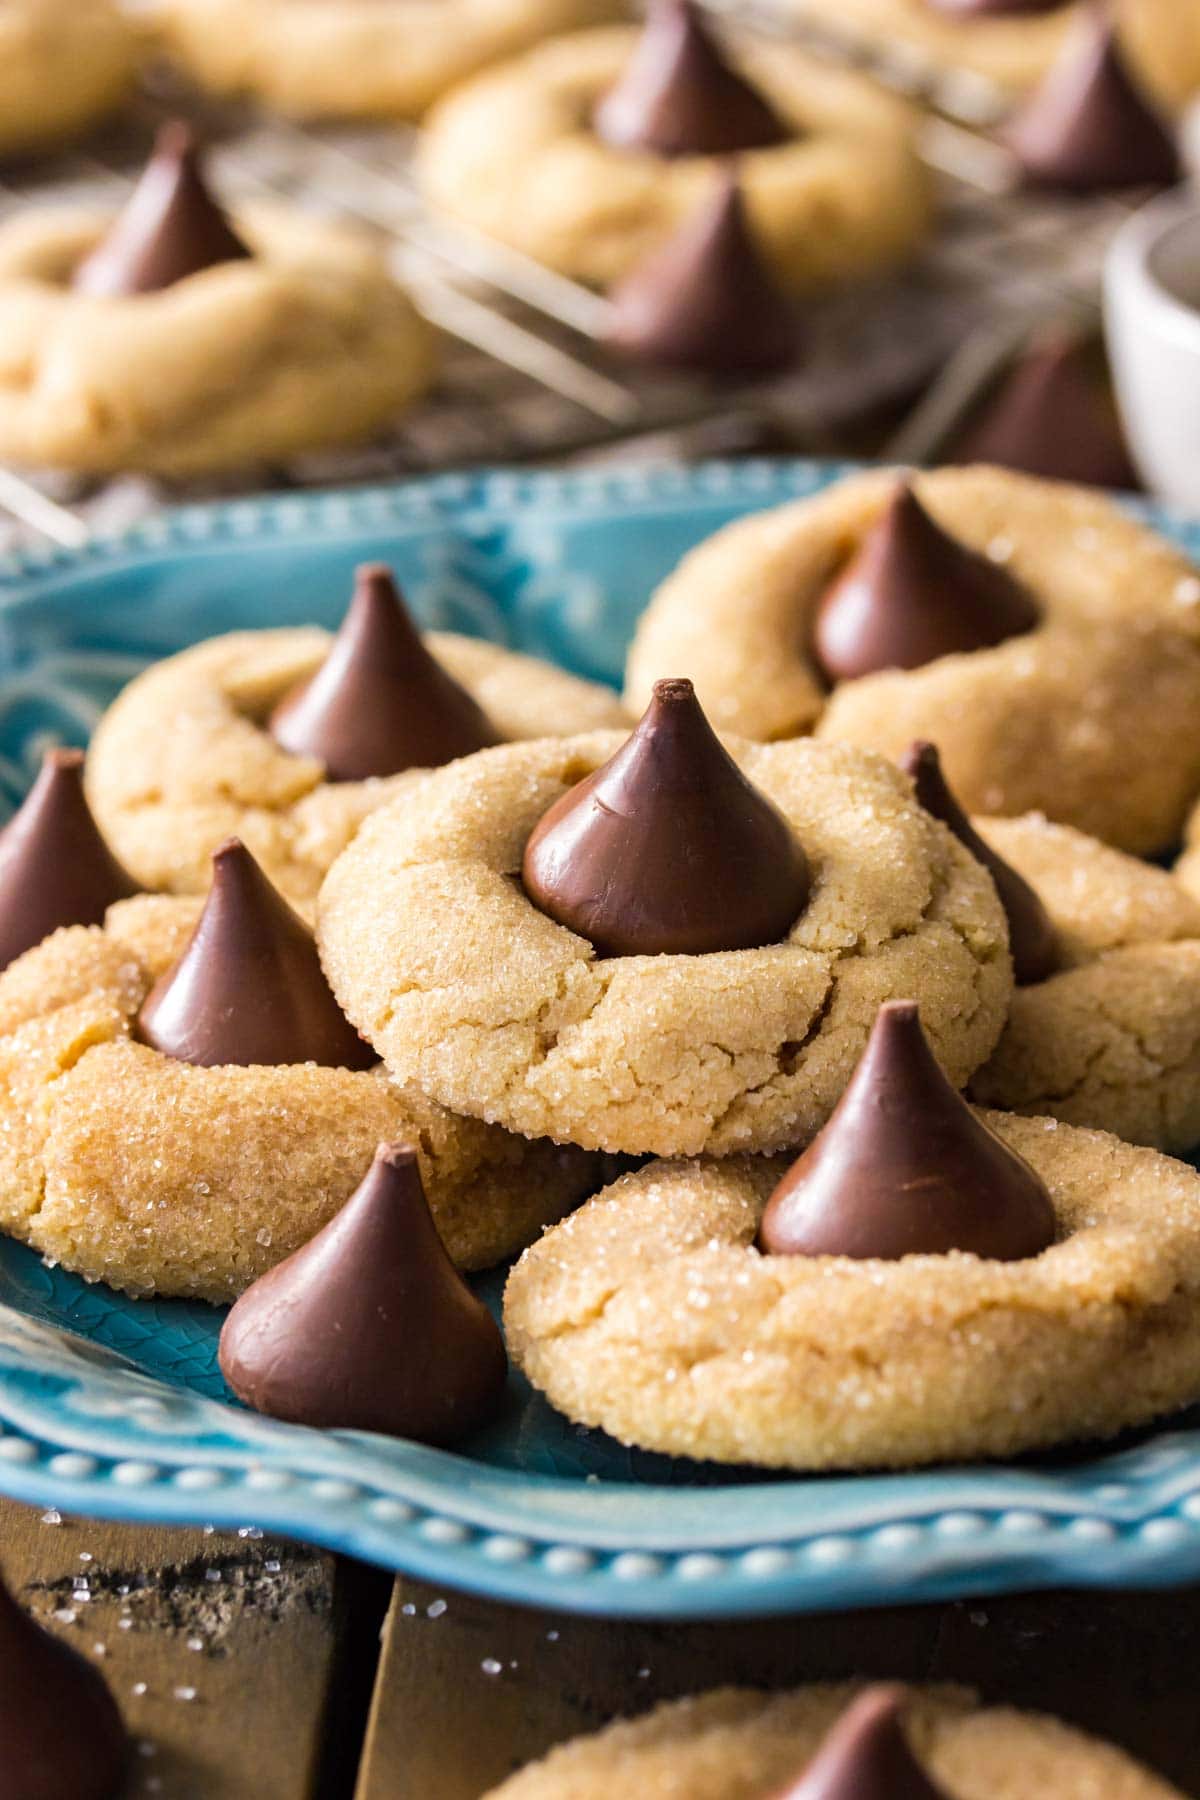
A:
[379,703]
[249,987]
[705,300]
[866,1756]
[61,1736]
[55,868]
[1030,933]
[912,594]
[993,9]
[668,849]
[171,228]
[679,97]
[905,1168]
[1049,418]
[369,1327]
[1089,125]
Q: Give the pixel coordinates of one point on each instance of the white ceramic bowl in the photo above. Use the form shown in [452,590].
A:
[1152,322]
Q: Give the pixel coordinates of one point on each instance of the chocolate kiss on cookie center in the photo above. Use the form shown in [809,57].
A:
[171,228]
[866,1756]
[369,1326]
[912,594]
[249,987]
[1030,932]
[905,1168]
[1050,417]
[380,703]
[678,96]
[60,1729]
[705,299]
[668,849]
[1090,125]
[55,868]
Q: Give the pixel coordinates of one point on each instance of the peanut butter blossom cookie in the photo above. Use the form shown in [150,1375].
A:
[177,341]
[662,942]
[289,738]
[182,1101]
[925,1283]
[1046,642]
[381,59]
[1105,1024]
[836,1743]
[1016,43]
[588,152]
[64,65]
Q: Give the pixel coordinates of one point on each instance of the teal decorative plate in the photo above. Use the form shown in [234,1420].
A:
[116,1407]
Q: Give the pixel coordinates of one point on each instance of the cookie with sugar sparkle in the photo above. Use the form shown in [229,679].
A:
[743,1744]
[651,1315]
[158,1176]
[198,747]
[1069,689]
[632,1024]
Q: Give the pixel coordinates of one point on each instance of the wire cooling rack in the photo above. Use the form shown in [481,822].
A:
[525,377]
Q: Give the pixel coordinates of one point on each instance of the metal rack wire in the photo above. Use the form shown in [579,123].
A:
[526,377]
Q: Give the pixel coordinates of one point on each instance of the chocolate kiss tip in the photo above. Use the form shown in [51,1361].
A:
[1089,125]
[679,97]
[60,1727]
[171,227]
[369,1327]
[379,703]
[866,1756]
[1030,932]
[668,849]
[705,299]
[904,1168]
[1049,418]
[912,594]
[994,9]
[55,868]
[249,987]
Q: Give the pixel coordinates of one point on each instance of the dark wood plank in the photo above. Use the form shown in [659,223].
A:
[468,1691]
[220,1649]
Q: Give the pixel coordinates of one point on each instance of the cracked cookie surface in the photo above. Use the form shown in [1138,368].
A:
[1085,718]
[513,152]
[1112,1039]
[1162,38]
[160,1177]
[308,343]
[182,760]
[357,58]
[64,65]
[463,986]
[742,1744]
[650,1314]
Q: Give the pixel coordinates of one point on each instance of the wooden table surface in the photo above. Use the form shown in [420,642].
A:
[254,1669]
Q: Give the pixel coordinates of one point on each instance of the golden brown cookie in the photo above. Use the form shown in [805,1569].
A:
[182,760]
[739,1744]
[64,65]
[156,1176]
[1112,1038]
[464,986]
[307,343]
[381,59]
[513,152]
[650,1314]
[1086,718]
[1162,36]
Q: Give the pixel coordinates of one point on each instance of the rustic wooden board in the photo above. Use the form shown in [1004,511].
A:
[468,1691]
[221,1650]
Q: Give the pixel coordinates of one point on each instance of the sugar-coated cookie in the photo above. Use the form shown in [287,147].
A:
[1084,714]
[64,65]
